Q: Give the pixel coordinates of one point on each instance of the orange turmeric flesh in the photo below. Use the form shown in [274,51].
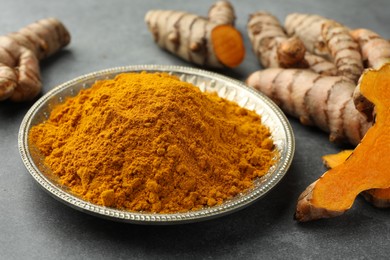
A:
[378,197]
[228,45]
[332,160]
[367,167]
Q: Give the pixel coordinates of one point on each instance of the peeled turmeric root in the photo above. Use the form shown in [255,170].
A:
[333,160]
[210,42]
[365,169]
[20,53]
[378,197]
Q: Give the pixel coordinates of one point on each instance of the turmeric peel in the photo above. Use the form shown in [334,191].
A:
[149,142]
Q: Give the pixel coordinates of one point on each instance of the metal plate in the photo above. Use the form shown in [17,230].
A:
[228,88]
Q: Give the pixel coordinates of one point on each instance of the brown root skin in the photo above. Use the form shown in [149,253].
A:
[376,52]
[20,53]
[344,50]
[211,42]
[291,54]
[363,105]
[265,34]
[308,28]
[316,100]
[306,211]
[222,12]
[375,49]
[320,65]
[328,39]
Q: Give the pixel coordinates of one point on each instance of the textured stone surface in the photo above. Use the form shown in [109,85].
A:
[112,33]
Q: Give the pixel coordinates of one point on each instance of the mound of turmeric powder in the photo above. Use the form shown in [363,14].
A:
[150,142]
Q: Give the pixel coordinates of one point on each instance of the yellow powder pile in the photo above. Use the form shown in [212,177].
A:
[149,142]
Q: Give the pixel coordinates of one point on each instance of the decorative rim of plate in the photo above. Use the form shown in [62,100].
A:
[269,181]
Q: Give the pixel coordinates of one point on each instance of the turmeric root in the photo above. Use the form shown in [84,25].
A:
[375,49]
[366,168]
[204,41]
[316,100]
[378,197]
[344,50]
[309,29]
[222,12]
[20,53]
[320,106]
[329,39]
[274,48]
[320,65]
[266,34]
[375,52]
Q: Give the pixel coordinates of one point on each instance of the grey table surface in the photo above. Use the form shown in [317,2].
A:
[112,33]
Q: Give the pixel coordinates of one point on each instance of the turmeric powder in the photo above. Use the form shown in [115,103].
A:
[150,142]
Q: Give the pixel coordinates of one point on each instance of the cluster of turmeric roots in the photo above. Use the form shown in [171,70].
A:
[313,69]
[314,65]
[316,70]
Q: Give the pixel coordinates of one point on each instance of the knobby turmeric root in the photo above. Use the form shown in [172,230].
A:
[222,12]
[366,168]
[319,97]
[316,100]
[329,39]
[210,42]
[274,49]
[378,197]
[376,52]
[20,53]
[375,49]
[308,28]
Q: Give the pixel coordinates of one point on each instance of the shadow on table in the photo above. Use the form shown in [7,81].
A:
[10,110]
